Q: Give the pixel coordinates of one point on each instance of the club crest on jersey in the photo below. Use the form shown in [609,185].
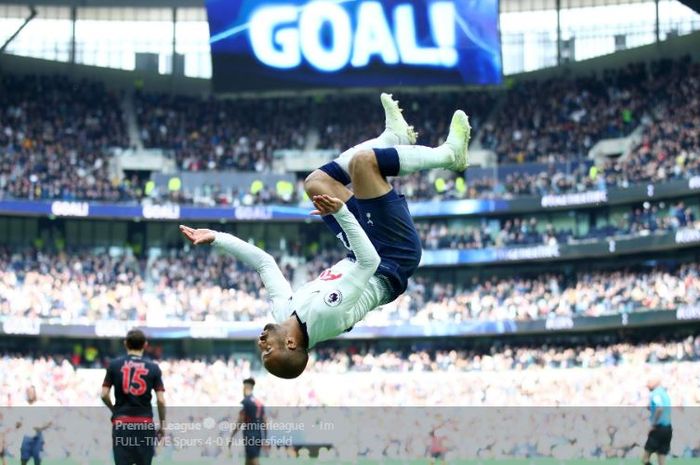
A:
[333,298]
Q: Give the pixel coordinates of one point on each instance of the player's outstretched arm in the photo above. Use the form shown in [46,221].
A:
[274,281]
[367,258]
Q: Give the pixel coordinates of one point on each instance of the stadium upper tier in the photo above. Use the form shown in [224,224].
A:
[88,288]
[56,134]
[212,134]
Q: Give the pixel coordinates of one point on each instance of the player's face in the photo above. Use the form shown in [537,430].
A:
[271,340]
[31,394]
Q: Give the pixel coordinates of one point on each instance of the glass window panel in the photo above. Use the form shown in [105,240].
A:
[86,233]
[676,19]
[118,233]
[102,233]
[43,12]
[192,14]
[193,42]
[529,40]
[47,36]
[16,231]
[510,6]
[594,28]
[4,234]
[126,14]
[103,42]
[71,227]
[154,235]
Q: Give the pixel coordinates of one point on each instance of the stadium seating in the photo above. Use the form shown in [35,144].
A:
[504,376]
[213,134]
[576,379]
[53,123]
[87,287]
[560,120]
[647,219]
[72,123]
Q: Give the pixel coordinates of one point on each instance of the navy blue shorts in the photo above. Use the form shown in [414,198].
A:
[389,226]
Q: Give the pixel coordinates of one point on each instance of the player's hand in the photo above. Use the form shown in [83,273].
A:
[197,236]
[160,433]
[326,205]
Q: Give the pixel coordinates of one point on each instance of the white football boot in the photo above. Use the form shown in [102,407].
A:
[395,122]
[458,141]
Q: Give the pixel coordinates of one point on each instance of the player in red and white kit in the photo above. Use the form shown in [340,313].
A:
[372,221]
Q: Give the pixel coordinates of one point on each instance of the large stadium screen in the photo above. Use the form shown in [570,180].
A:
[299,44]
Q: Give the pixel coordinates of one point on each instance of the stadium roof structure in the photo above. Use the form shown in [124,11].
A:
[507,6]
[692,4]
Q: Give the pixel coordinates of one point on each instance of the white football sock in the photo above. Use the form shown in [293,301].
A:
[414,158]
[385,140]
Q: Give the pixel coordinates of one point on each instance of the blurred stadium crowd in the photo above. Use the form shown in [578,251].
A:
[189,286]
[75,124]
[599,386]
[504,375]
[588,424]
[649,218]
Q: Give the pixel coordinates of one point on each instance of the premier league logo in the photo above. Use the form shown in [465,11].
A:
[333,298]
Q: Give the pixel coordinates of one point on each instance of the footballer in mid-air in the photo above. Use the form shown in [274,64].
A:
[373,223]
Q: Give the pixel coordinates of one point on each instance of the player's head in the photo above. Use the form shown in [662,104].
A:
[31,394]
[282,353]
[135,340]
[248,385]
[653,381]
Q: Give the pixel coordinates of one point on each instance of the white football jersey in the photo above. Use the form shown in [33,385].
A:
[334,302]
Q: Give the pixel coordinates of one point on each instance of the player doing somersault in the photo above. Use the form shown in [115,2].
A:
[373,223]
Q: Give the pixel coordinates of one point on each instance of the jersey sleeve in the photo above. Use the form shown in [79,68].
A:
[158,380]
[367,258]
[358,296]
[656,401]
[274,281]
[109,379]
